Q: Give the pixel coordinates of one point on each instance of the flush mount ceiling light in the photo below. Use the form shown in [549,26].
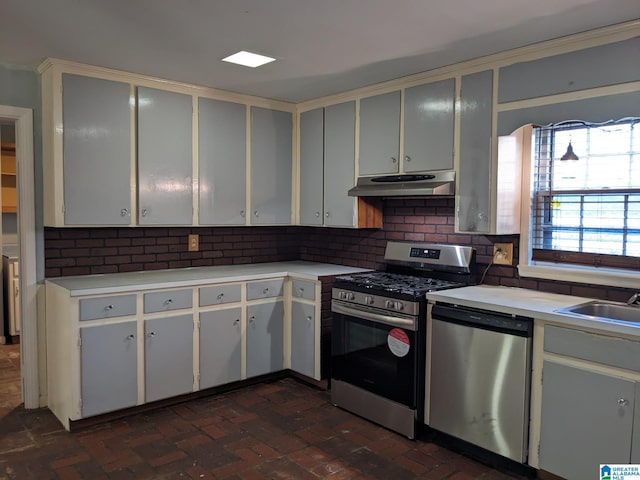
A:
[569,155]
[248,59]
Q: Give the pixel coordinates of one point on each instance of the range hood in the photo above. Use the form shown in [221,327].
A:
[405,185]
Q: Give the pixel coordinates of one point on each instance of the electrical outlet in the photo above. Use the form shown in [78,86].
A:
[194,243]
[503,253]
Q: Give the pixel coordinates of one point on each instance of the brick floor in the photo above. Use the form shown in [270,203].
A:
[279,430]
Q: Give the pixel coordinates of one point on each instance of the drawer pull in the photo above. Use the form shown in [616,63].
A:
[168,301]
[220,295]
[622,402]
[252,319]
[151,334]
[266,290]
[130,337]
[236,321]
[108,307]
[309,318]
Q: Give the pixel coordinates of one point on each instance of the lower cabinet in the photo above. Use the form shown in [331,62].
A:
[168,356]
[265,338]
[587,420]
[115,351]
[303,338]
[588,402]
[108,352]
[220,347]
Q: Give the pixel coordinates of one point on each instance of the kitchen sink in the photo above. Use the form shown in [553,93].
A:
[602,310]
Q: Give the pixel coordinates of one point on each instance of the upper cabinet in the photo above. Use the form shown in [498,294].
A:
[119,151]
[327,170]
[380,134]
[311,184]
[222,154]
[474,171]
[165,157]
[428,126]
[271,166]
[96,141]
[427,121]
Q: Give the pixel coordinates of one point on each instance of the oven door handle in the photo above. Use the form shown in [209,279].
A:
[409,324]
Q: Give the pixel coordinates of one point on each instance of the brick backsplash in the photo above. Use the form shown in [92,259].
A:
[83,251]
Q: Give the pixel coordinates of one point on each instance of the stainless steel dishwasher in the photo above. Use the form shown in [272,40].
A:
[480,378]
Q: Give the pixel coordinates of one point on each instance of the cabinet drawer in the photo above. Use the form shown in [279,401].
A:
[303,289]
[107,307]
[166,301]
[616,352]
[266,289]
[220,294]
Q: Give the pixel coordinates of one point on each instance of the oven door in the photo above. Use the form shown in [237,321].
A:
[376,352]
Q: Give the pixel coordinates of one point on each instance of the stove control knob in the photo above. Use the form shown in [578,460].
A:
[368,300]
[342,295]
[389,304]
[351,296]
[399,306]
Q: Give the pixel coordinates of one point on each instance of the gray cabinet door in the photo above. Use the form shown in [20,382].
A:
[428,126]
[168,356]
[108,368]
[379,134]
[303,335]
[165,190]
[220,347]
[311,166]
[222,162]
[339,164]
[474,174]
[583,424]
[97,151]
[265,330]
[271,166]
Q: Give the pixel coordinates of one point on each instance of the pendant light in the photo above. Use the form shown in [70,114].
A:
[569,155]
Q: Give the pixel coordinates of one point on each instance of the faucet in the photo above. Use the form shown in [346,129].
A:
[635,299]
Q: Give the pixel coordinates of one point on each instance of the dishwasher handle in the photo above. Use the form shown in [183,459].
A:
[483,319]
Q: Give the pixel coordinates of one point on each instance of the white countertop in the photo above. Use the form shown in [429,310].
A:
[10,251]
[530,303]
[180,277]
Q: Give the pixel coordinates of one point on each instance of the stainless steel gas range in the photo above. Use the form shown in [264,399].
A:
[378,333]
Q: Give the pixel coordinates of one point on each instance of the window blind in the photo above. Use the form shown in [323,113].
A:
[587,211]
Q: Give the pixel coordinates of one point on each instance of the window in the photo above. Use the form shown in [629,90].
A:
[586,211]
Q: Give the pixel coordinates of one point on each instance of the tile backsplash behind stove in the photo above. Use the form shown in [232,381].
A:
[84,251]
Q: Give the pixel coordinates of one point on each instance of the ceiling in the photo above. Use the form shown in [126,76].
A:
[322,46]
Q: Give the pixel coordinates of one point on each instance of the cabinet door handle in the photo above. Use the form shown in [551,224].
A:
[124,212]
[309,318]
[242,213]
[130,337]
[622,402]
[151,334]
[407,158]
[326,214]
[252,318]
[236,321]
[145,212]
[394,159]
[317,214]
[255,214]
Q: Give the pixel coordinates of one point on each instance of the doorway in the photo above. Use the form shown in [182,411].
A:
[21,121]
